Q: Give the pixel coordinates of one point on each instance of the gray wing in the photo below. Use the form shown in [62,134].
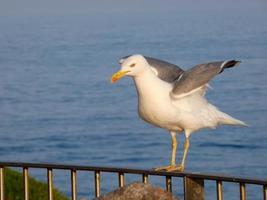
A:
[198,76]
[165,71]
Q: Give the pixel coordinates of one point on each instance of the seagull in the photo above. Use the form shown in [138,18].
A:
[174,99]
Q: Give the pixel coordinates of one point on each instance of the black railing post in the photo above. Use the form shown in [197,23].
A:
[219,190]
[26,182]
[145,178]
[169,183]
[73,184]
[193,188]
[121,179]
[242,187]
[2,189]
[97,183]
[265,192]
[50,183]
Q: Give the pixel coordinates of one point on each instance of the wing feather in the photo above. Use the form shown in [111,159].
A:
[164,70]
[197,78]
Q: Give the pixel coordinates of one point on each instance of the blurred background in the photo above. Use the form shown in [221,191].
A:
[57,104]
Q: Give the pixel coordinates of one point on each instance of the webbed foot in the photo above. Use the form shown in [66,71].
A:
[171,168]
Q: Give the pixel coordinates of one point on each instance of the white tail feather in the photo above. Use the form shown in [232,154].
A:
[227,119]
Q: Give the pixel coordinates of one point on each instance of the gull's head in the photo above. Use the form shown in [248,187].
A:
[130,66]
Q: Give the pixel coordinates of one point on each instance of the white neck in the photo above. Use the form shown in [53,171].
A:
[148,84]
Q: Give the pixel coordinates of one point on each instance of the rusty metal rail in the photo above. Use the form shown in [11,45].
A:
[193,182]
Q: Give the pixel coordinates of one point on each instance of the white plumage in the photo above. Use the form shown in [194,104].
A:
[176,105]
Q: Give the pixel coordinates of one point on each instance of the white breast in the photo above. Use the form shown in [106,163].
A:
[154,102]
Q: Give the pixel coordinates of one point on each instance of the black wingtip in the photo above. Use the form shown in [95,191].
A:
[229,64]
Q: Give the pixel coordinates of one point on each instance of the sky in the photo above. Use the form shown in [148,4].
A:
[69,7]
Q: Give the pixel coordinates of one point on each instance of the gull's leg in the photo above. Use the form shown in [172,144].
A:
[181,166]
[174,148]
[173,159]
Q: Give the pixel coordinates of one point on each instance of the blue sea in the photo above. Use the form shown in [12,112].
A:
[57,104]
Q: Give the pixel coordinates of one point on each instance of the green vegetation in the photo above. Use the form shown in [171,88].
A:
[14,188]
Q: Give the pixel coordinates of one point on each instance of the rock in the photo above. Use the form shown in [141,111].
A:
[138,191]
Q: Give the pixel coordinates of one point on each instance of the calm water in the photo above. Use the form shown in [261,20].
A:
[57,104]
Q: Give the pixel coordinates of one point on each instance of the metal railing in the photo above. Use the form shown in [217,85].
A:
[193,182]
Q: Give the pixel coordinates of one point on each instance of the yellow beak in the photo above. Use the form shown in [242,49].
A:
[118,75]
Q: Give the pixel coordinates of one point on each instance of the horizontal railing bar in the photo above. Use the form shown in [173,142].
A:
[206,176]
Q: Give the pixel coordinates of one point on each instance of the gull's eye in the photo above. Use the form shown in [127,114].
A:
[132,65]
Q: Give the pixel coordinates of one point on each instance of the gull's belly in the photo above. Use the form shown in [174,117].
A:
[154,103]
[160,113]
